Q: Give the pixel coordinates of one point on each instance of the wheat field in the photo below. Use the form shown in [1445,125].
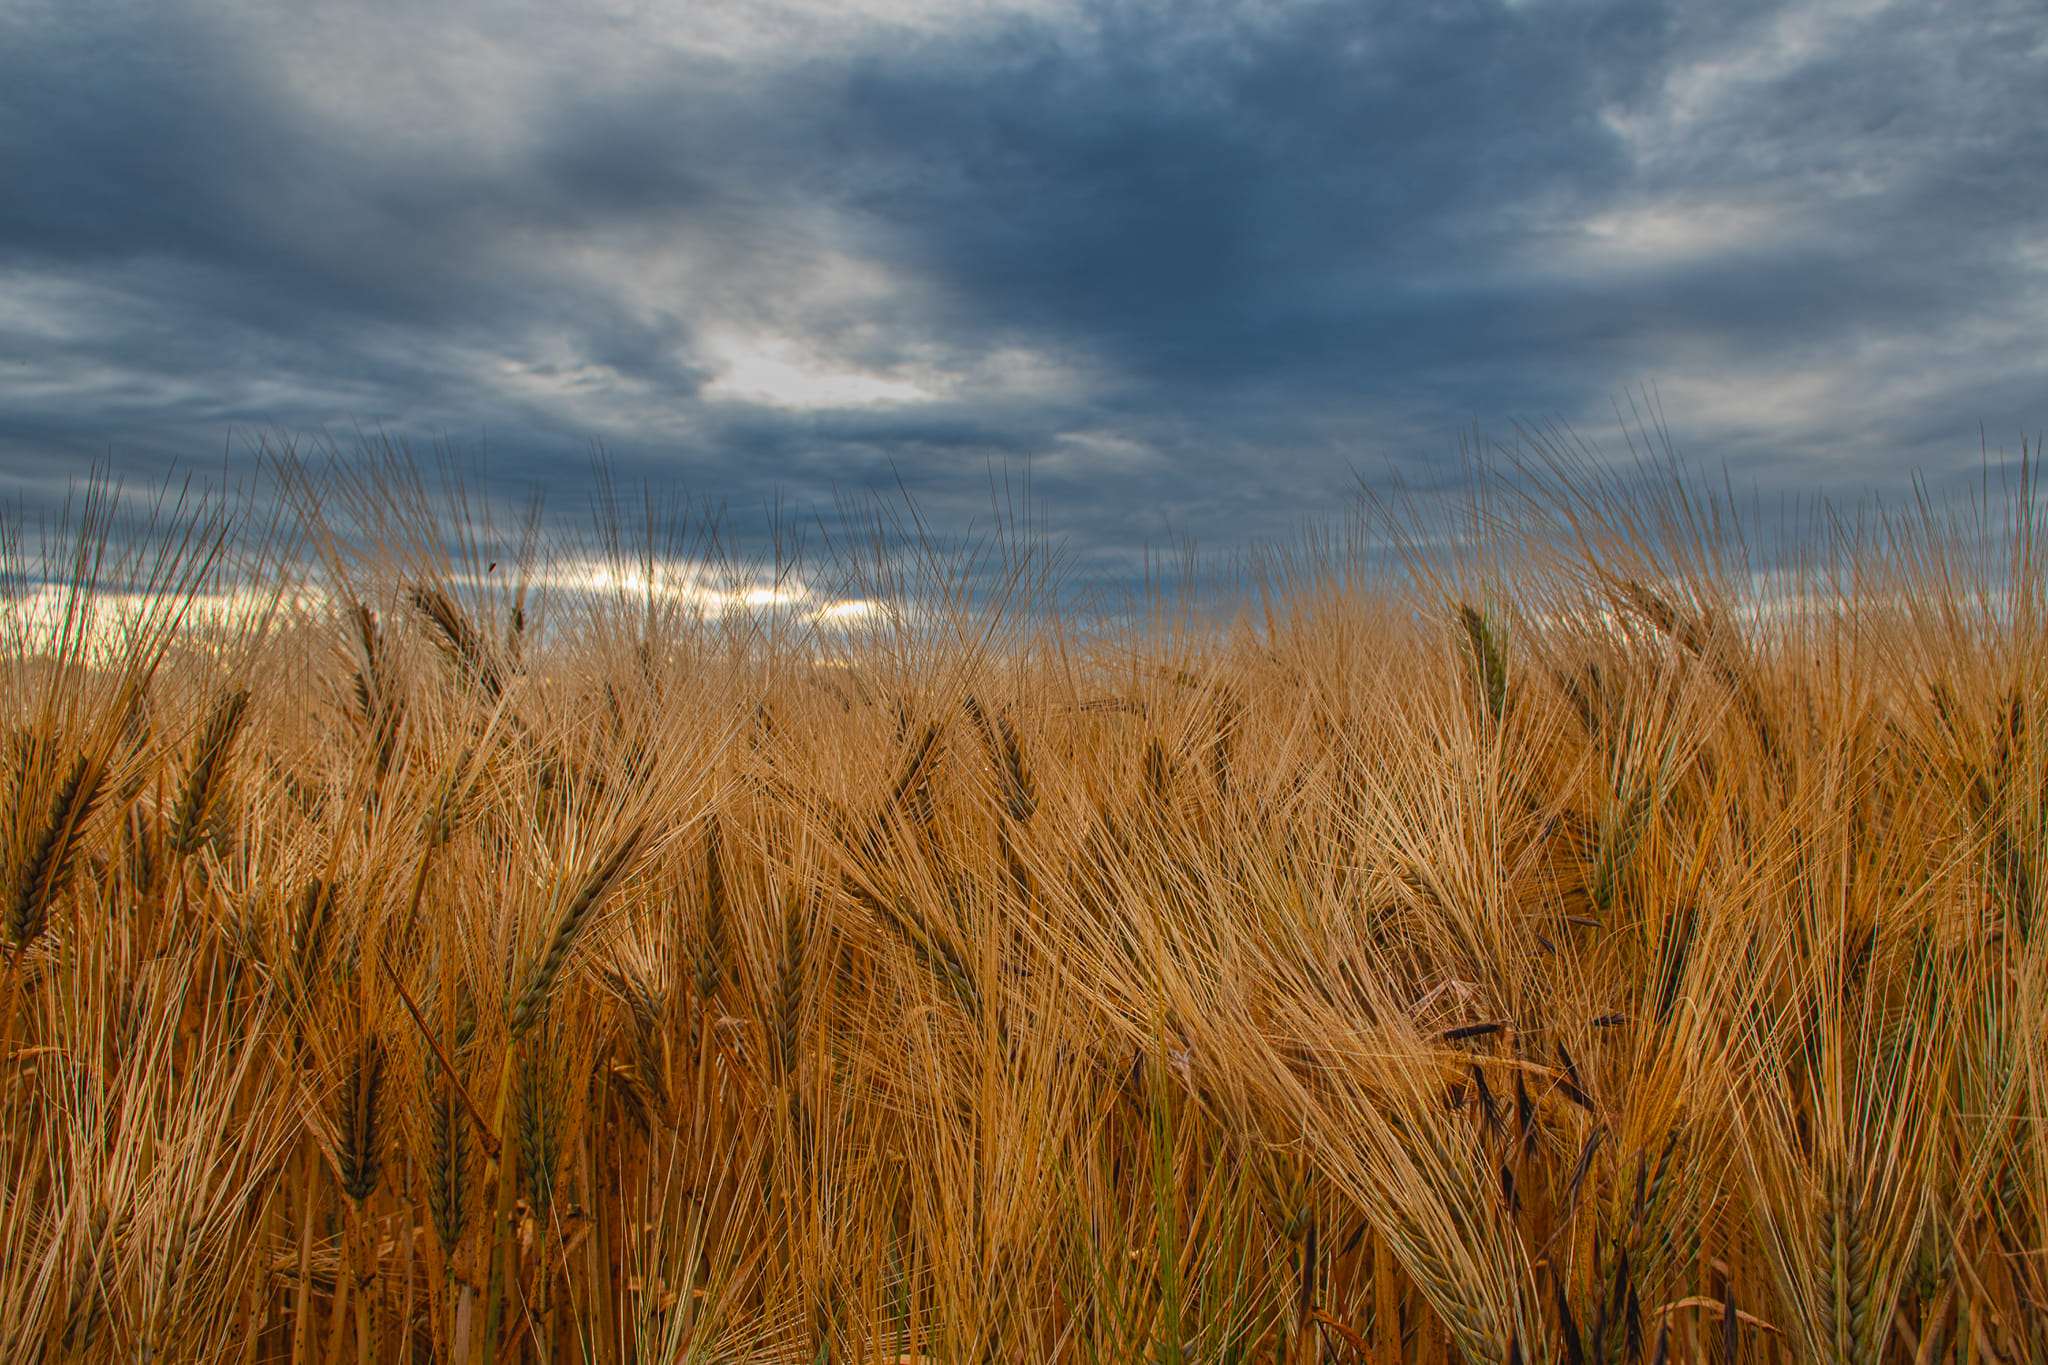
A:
[1535,933]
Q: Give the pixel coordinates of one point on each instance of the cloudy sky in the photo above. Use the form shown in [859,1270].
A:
[1192,264]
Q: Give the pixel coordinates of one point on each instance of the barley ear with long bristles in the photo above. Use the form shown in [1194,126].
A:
[644,994]
[447,1158]
[309,930]
[445,1113]
[200,793]
[377,703]
[464,645]
[361,1151]
[912,792]
[714,928]
[46,867]
[1702,636]
[1488,658]
[539,1117]
[1006,755]
[786,1008]
[539,983]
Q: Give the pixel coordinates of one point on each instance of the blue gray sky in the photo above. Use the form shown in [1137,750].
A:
[1193,265]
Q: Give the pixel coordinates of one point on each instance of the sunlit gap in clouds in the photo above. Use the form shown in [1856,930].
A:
[707,592]
[38,615]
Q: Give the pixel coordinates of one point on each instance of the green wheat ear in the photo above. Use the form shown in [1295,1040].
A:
[1489,659]
[541,1104]
[361,1157]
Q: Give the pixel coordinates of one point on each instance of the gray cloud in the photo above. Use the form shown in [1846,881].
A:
[1195,262]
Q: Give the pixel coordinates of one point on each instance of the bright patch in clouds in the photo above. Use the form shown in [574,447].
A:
[1675,231]
[786,372]
[711,593]
[107,622]
[781,372]
[852,612]
[1099,452]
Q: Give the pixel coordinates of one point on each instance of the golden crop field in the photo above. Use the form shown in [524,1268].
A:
[1546,937]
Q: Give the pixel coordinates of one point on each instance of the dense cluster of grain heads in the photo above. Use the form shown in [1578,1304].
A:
[1603,953]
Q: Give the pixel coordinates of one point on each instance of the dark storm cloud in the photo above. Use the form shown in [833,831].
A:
[1235,205]
[1194,262]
